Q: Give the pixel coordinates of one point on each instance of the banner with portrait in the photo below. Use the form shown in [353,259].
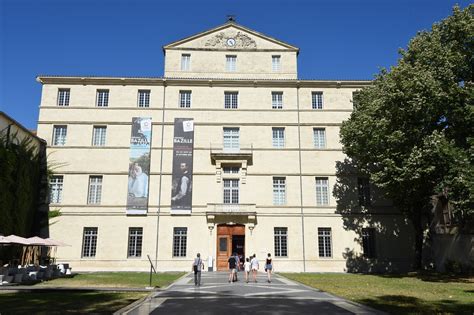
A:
[182,176]
[139,166]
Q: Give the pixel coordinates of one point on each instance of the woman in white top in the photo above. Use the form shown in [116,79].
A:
[247,269]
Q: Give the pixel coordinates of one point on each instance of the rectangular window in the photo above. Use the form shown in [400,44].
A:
[135,240]
[368,242]
[95,190]
[231,139]
[102,98]
[56,189]
[231,191]
[281,241]
[277,100]
[231,100]
[185,62]
[63,97]
[324,242]
[184,99]
[59,135]
[355,99]
[319,138]
[143,98]
[99,134]
[322,191]
[180,235]
[89,242]
[231,169]
[364,191]
[317,100]
[279,190]
[276,64]
[278,137]
[231,62]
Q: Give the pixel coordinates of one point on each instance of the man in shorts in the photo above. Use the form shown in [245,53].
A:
[232,265]
[254,266]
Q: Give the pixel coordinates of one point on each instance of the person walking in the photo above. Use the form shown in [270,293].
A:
[254,266]
[232,265]
[237,266]
[198,266]
[269,267]
[247,269]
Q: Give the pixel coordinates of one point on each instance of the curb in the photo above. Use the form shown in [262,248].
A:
[138,303]
[62,289]
[134,305]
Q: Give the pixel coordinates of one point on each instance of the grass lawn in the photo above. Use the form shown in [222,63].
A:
[397,294]
[74,302]
[115,279]
[86,301]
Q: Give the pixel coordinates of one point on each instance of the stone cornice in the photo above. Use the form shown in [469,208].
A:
[158,81]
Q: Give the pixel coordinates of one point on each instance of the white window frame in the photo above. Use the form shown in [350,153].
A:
[325,242]
[59,135]
[231,100]
[64,97]
[99,136]
[185,62]
[135,242]
[185,98]
[231,191]
[278,137]
[279,191]
[277,100]
[144,98]
[280,237]
[276,63]
[102,98]
[95,190]
[56,184]
[317,101]
[319,138]
[231,63]
[231,139]
[89,242]
[322,191]
[231,169]
[180,241]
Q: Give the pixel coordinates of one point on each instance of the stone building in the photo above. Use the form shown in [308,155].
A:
[227,152]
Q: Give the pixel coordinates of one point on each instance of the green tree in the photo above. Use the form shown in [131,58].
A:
[412,129]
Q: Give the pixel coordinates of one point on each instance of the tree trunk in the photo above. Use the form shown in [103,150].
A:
[418,228]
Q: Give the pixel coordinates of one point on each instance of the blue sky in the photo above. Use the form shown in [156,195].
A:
[338,39]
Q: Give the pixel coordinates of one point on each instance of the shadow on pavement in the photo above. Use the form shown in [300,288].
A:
[230,306]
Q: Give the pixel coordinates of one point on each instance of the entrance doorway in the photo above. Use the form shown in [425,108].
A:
[230,239]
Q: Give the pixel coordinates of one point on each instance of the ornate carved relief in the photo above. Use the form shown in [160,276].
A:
[238,40]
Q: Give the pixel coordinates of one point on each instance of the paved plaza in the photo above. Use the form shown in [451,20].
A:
[217,296]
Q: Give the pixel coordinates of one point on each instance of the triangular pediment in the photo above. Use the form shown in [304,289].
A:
[230,36]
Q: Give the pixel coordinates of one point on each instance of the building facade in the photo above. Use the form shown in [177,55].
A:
[228,152]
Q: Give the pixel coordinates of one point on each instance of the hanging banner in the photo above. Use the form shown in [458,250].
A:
[139,166]
[182,177]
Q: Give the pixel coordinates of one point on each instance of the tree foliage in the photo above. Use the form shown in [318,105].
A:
[20,178]
[412,129]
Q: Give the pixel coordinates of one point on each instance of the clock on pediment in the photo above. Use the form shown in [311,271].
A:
[230,42]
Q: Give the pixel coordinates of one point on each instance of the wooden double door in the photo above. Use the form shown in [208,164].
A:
[230,239]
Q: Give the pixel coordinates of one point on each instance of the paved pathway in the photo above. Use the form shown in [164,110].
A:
[217,296]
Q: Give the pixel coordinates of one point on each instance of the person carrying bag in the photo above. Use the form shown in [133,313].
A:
[198,265]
